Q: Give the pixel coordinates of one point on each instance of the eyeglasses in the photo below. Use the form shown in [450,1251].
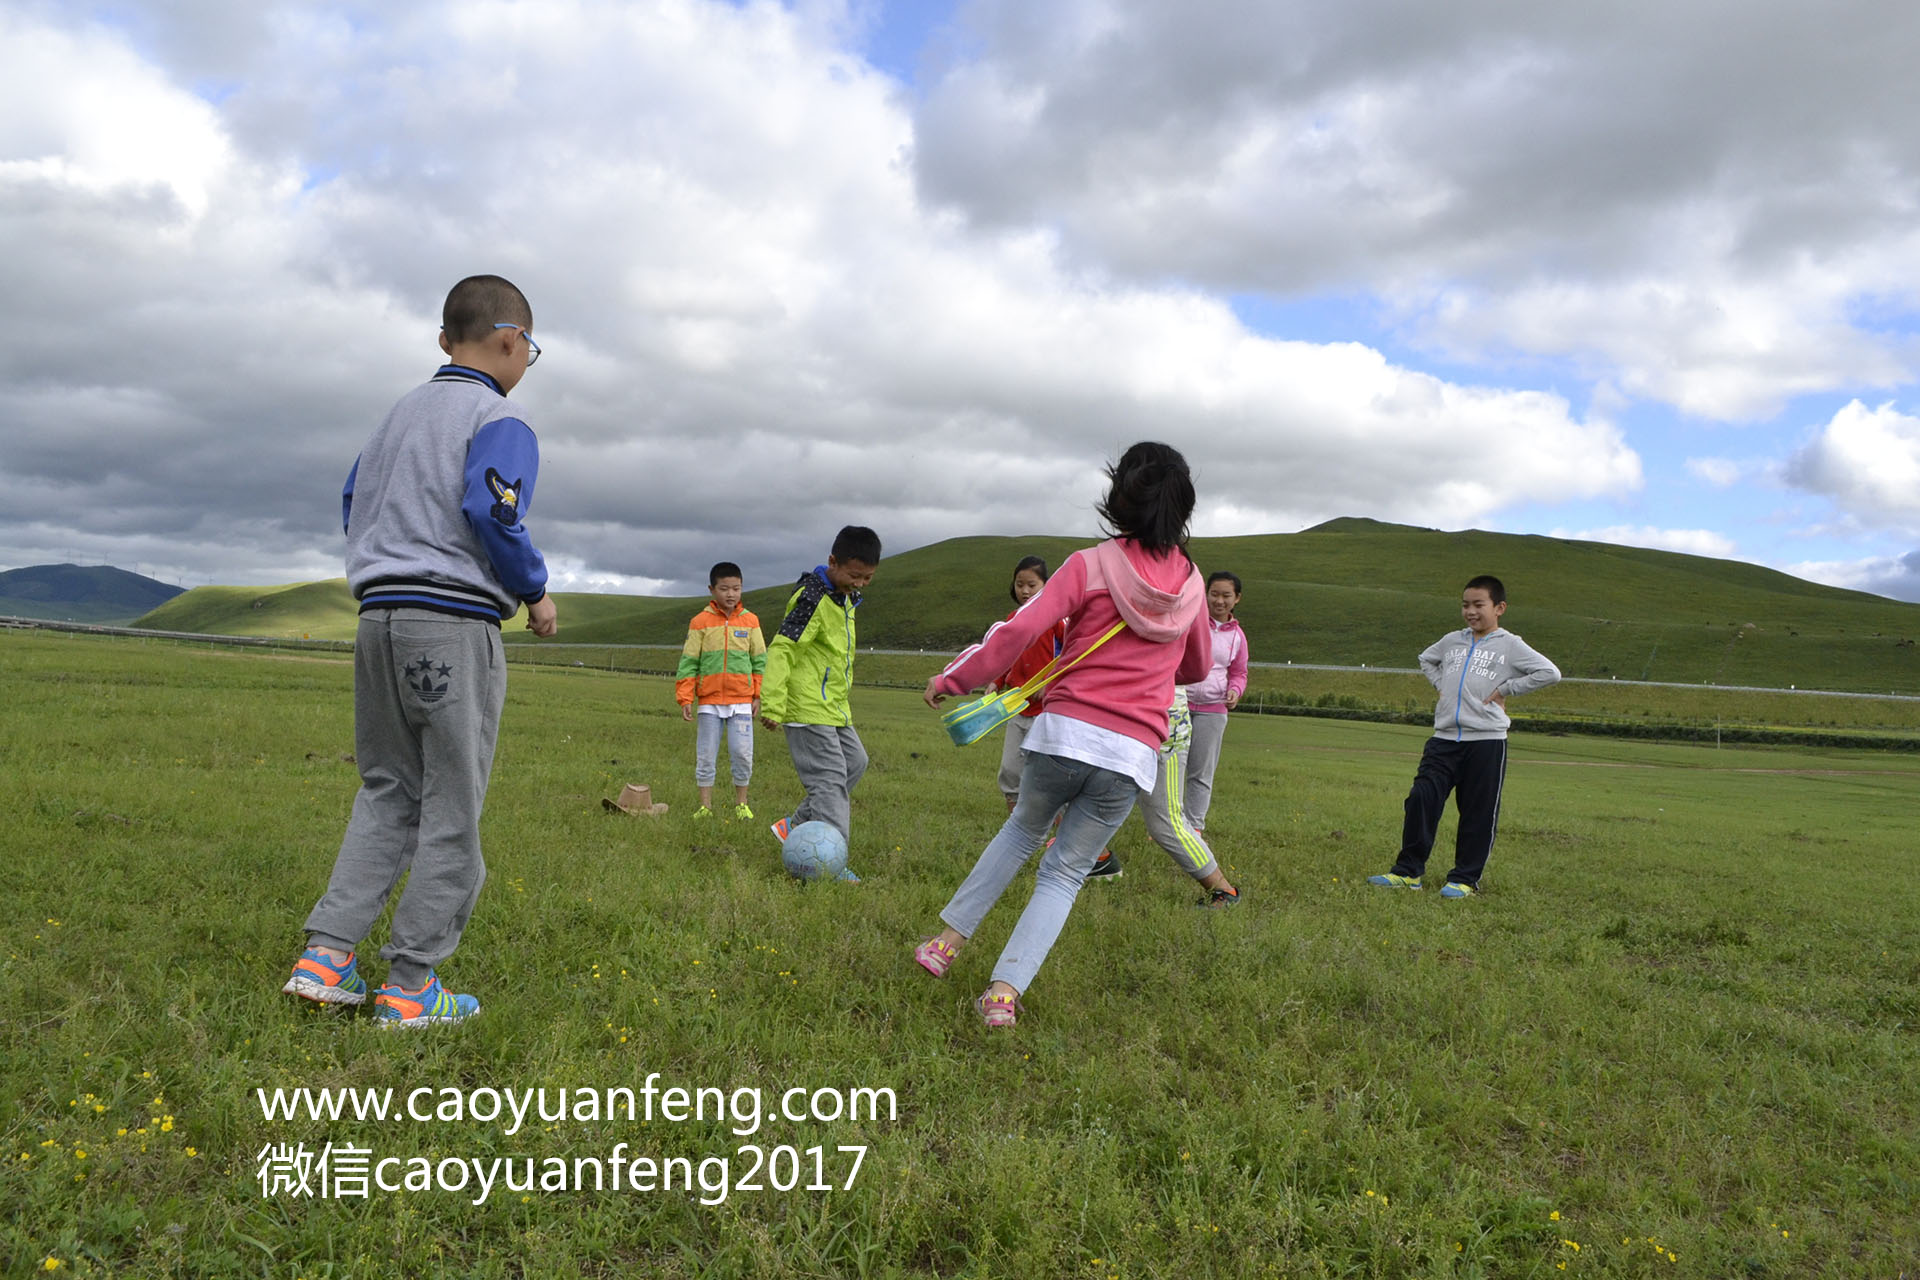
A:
[533,348]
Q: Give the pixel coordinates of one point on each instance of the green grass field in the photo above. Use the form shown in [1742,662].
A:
[1350,592]
[1674,1038]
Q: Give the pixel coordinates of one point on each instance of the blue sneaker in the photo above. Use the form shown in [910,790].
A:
[1455,890]
[1392,881]
[846,873]
[320,980]
[395,1006]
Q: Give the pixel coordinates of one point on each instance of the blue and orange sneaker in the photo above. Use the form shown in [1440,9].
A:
[320,980]
[780,830]
[395,1006]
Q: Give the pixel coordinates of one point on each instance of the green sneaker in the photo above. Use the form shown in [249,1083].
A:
[1392,881]
[743,813]
[395,1006]
[702,812]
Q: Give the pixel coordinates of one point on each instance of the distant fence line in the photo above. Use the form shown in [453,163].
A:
[524,652]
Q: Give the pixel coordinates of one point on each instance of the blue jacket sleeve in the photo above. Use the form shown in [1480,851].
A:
[346,496]
[502,464]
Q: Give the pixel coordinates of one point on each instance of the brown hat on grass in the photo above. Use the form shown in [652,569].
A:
[634,801]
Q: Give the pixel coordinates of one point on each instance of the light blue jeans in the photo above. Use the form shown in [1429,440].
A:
[706,748]
[1097,801]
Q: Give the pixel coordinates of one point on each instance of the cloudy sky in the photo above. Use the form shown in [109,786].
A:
[1641,272]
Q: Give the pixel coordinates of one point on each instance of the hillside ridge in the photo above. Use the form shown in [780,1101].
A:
[98,593]
[1348,592]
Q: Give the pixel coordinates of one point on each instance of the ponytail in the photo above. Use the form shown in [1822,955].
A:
[1150,497]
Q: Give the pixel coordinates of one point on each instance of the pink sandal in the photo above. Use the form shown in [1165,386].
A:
[998,1011]
[935,956]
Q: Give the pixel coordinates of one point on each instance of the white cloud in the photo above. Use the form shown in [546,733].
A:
[566,573]
[1894,576]
[1721,473]
[80,110]
[1693,542]
[755,330]
[1707,221]
[1867,461]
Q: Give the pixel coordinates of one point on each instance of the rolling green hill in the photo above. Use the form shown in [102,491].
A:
[305,610]
[1346,592]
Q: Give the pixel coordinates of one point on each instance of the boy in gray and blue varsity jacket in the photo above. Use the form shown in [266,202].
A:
[438,556]
[1476,671]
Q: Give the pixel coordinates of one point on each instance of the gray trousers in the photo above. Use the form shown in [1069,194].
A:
[1203,757]
[1166,818]
[1097,802]
[829,761]
[427,693]
[1013,755]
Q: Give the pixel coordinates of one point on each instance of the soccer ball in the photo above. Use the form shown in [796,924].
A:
[814,851]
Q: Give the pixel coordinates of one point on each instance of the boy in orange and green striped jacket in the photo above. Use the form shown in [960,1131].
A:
[719,687]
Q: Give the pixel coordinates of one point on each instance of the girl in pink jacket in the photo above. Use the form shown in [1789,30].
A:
[1136,626]
[1218,694]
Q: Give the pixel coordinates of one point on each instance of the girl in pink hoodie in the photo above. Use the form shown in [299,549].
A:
[1218,694]
[1136,626]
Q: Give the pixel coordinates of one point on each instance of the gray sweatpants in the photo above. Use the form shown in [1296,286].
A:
[1203,757]
[1166,818]
[1097,801]
[427,693]
[829,761]
[1013,755]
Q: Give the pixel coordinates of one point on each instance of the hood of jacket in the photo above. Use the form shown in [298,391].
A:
[842,598]
[1150,611]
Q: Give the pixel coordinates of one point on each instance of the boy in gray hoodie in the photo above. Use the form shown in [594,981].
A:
[438,556]
[1476,671]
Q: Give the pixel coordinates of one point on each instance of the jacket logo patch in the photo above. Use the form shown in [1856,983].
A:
[506,497]
[740,634]
[419,677]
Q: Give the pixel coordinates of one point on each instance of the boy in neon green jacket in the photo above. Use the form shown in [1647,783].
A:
[809,677]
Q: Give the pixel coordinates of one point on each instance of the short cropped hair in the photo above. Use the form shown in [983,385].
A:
[478,303]
[856,542]
[1496,590]
[725,569]
[1221,575]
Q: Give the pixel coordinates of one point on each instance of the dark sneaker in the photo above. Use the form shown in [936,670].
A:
[1105,867]
[1221,898]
